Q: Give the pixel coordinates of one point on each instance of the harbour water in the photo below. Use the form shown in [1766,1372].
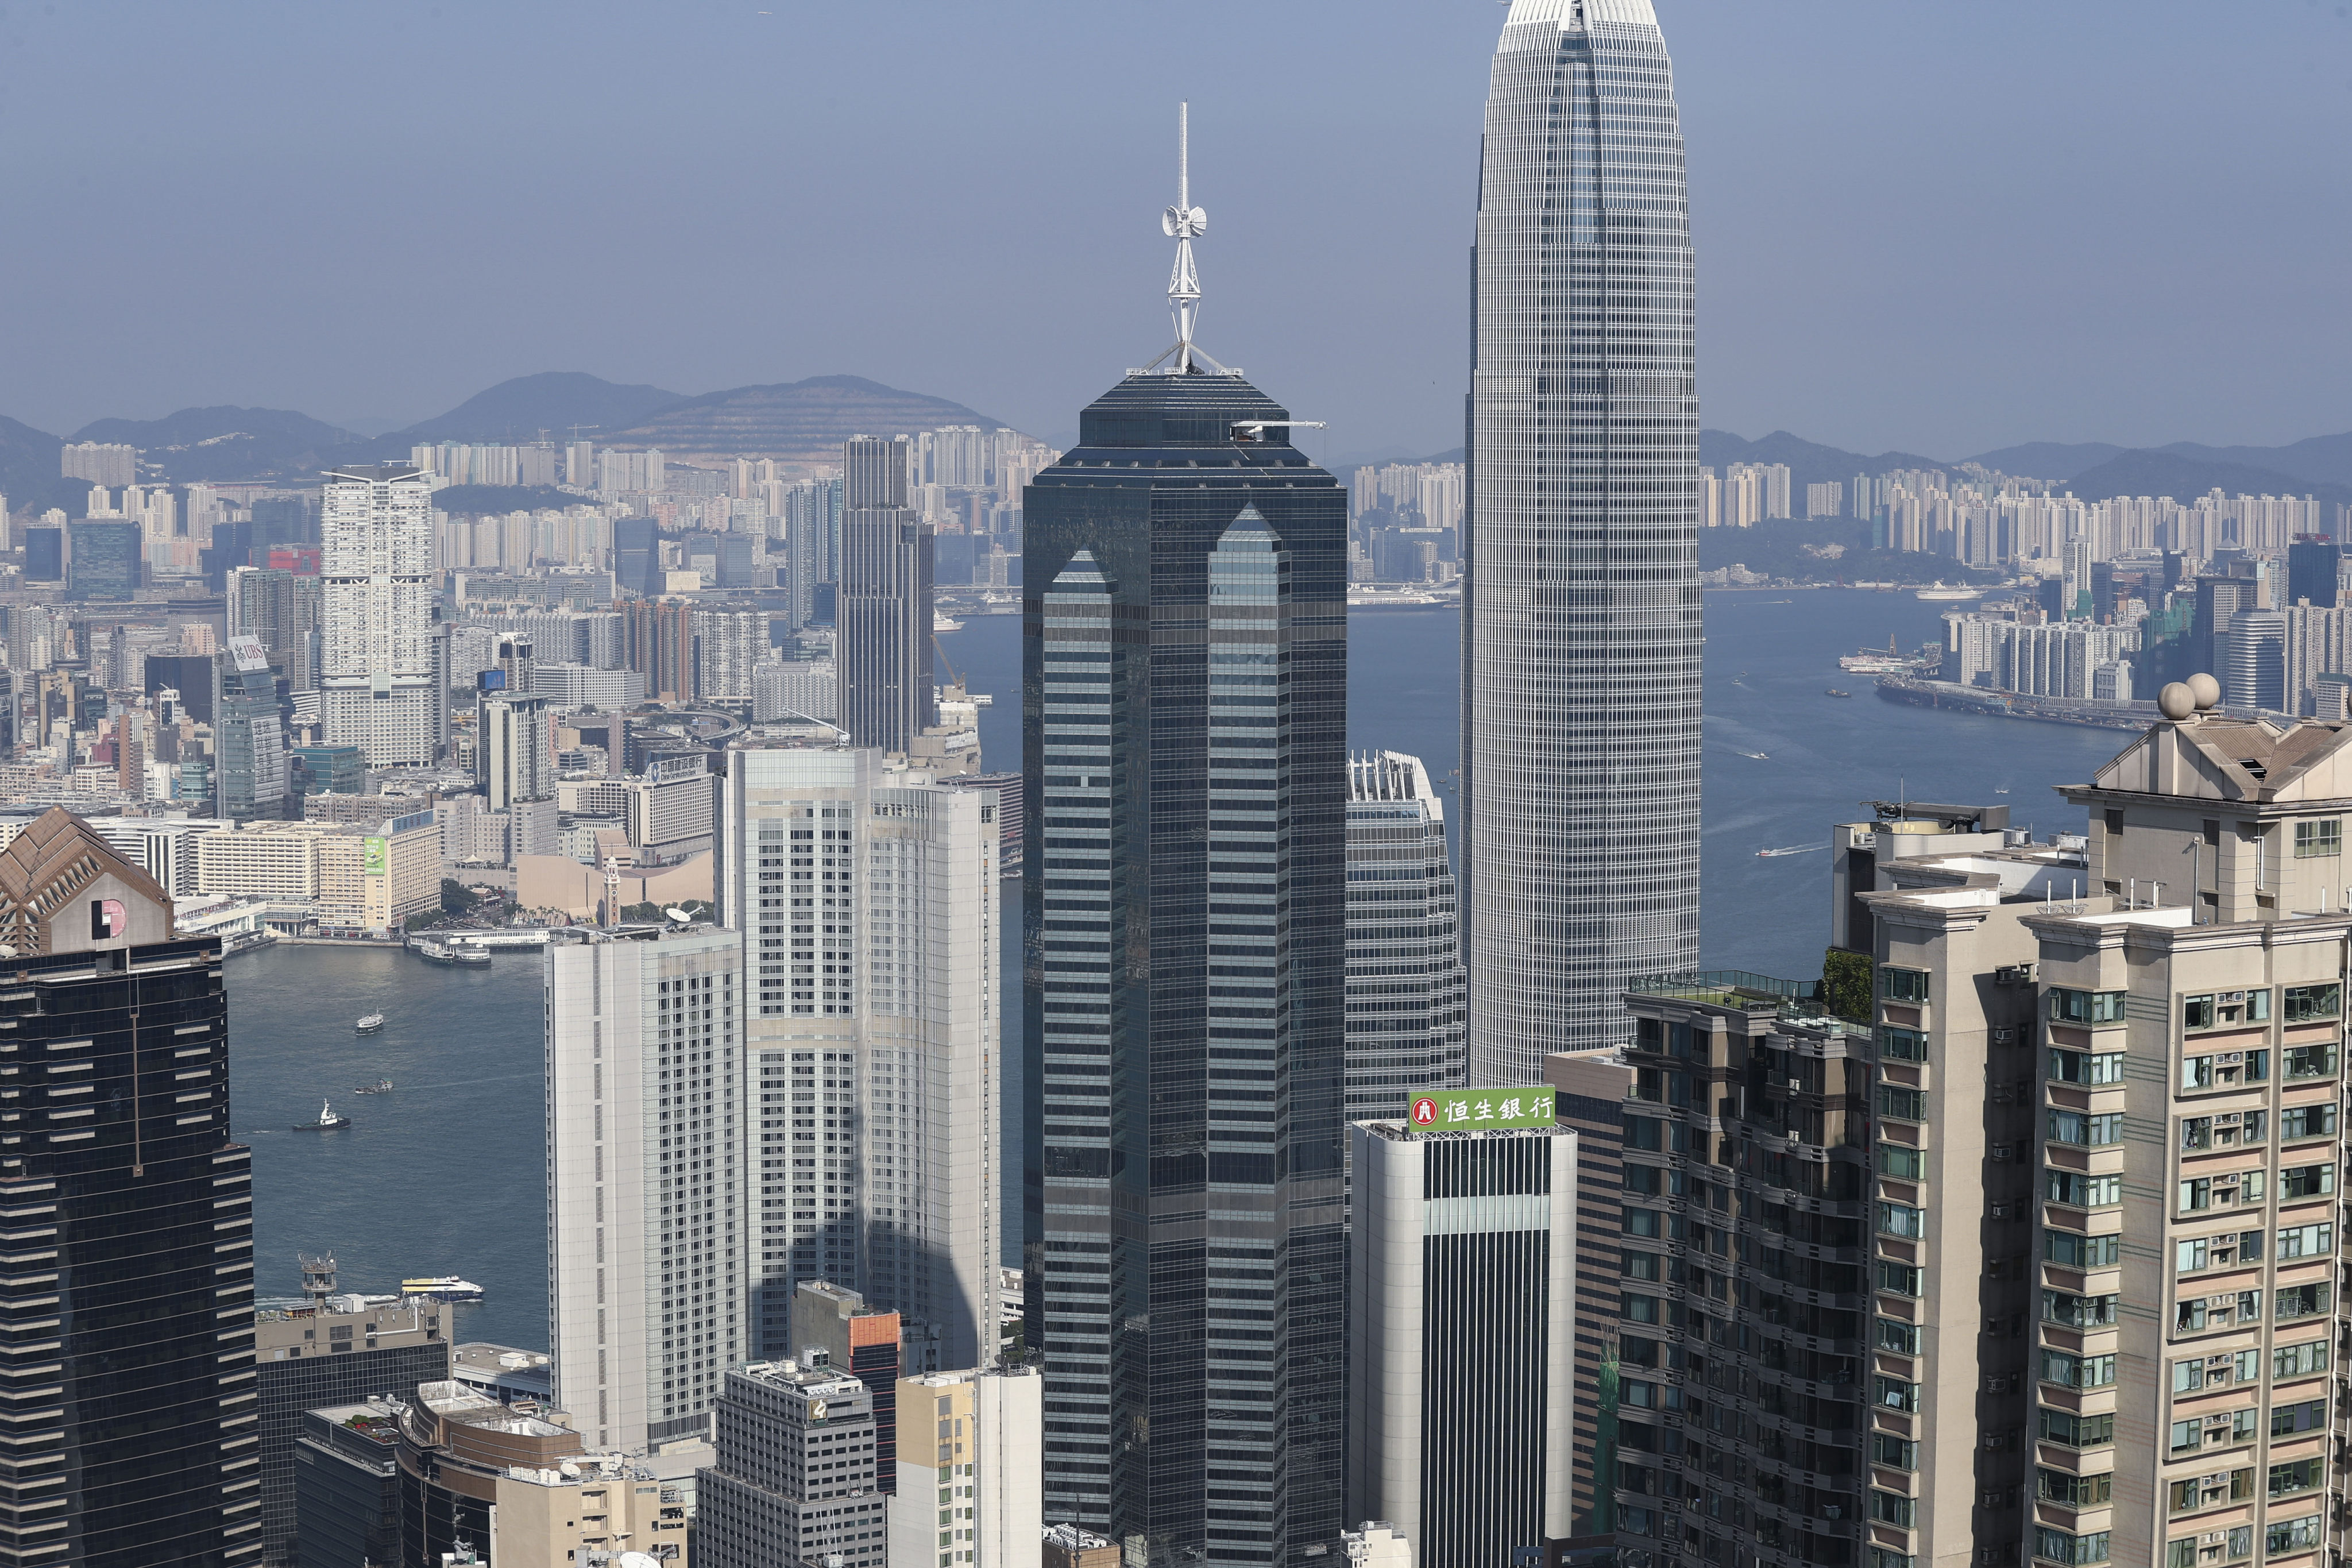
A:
[447,1173]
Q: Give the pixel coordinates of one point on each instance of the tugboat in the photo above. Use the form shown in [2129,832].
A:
[328,1120]
[369,1024]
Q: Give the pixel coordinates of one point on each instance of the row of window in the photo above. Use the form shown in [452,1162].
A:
[2282,1539]
[2241,1308]
[2232,1367]
[2204,1010]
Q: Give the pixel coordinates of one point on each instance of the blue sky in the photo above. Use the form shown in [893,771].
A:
[1935,226]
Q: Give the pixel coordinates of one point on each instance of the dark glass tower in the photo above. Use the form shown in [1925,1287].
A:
[884,611]
[126,1302]
[1185,698]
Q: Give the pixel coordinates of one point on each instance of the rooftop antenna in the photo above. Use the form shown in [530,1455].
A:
[1184,222]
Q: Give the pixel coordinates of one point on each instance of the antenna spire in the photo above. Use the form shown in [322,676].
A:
[1184,222]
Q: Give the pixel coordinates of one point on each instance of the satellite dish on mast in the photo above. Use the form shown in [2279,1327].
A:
[1184,223]
[683,917]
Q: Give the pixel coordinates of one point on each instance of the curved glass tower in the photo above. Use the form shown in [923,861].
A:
[1580,621]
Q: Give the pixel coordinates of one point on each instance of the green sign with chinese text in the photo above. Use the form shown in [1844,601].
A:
[1480,1110]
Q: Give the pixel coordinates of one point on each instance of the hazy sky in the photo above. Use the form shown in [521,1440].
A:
[1931,225]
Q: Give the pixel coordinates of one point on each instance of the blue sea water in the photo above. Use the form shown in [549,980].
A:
[447,1173]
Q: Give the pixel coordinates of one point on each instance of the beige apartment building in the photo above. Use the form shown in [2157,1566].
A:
[2106,1313]
[360,880]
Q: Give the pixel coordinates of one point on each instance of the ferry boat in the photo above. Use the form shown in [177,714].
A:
[1939,595]
[442,1286]
[328,1120]
[380,1086]
[943,622]
[369,1024]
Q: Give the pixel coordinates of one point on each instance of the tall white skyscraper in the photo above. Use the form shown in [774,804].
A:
[1580,625]
[867,902]
[376,569]
[649,1249]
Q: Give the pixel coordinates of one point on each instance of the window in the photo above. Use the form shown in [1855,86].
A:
[1902,1220]
[1645,1132]
[2188,1377]
[2187,1437]
[2068,1370]
[1635,1265]
[2315,1120]
[2199,1313]
[2086,1066]
[1895,1453]
[2306,1181]
[1639,1308]
[2084,1192]
[1883,1557]
[2092,1131]
[1888,1508]
[1901,1278]
[2289,1420]
[1902,984]
[2073,1431]
[2197,1012]
[2305,1002]
[2293,1536]
[2294,1301]
[2057,1546]
[2080,1251]
[2308,1061]
[1899,1337]
[1902,1045]
[2296,1476]
[2085,1006]
[2071,1491]
[1904,1104]
[2299,1361]
[1897,1160]
[1894,1393]
[1641,1222]
[2078,1311]
[2306,1241]
[2314,839]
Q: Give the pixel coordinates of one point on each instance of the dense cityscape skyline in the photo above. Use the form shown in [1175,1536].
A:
[1816,275]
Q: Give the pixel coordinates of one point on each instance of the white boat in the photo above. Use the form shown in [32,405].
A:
[370,1025]
[328,1120]
[1757,756]
[942,622]
[443,1287]
[1942,596]
[1790,849]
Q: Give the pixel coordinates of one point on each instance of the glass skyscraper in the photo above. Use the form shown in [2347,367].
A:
[1580,620]
[1184,696]
[884,608]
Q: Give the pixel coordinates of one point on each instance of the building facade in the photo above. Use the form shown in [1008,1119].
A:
[1184,672]
[1404,949]
[375,571]
[867,903]
[794,1484]
[249,771]
[648,1245]
[1580,622]
[133,1416]
[884,607]
[1461,1335]
[968,1494]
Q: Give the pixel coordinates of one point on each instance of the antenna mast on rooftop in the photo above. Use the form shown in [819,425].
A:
[1184,223]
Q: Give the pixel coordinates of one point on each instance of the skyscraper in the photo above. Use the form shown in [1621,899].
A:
[1184,663]
[375,564]
[884,611]
[1404,949]
[867,903]
[1580,620]
[128,1393]
[248,736]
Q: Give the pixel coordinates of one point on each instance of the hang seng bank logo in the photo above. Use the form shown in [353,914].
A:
[1483,1107]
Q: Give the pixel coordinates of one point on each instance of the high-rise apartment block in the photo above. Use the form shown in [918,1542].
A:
[793,1485]
[649,1246]
[1580,674]
[1404,949]
[866,901]
[133,1417]
[376,568]
[1825,499]
[968,1494]
[1462,1327]
[1184,644]
[514,754]
[884,611]
[100,462]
